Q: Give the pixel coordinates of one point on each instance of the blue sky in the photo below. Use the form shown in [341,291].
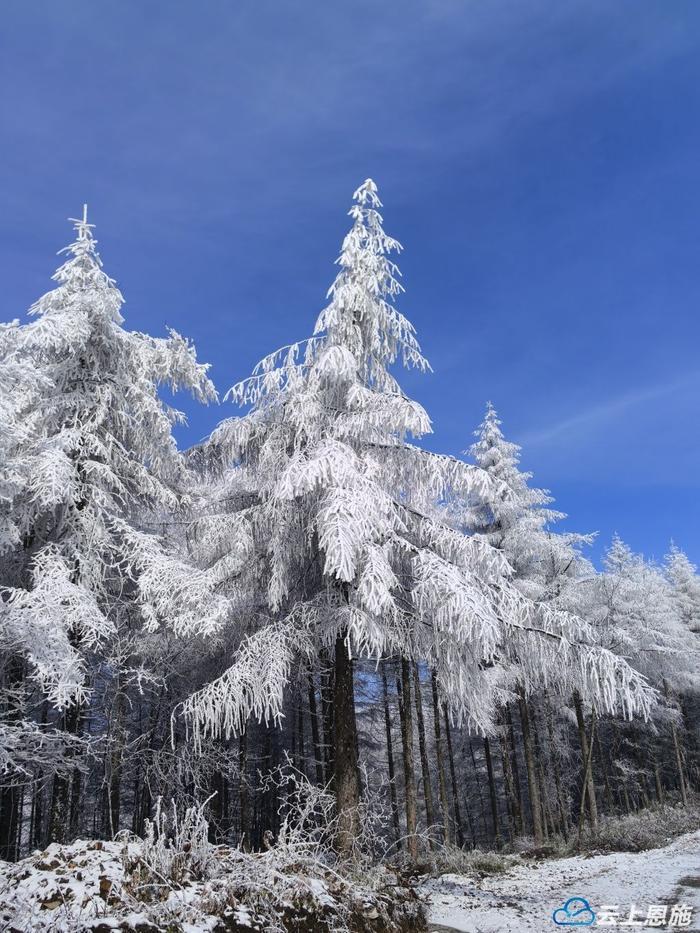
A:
[539,160]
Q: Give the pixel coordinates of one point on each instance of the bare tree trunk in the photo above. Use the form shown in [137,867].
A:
[217,820]
[516,771]
[604,768]
[492,794]
[440,755]
[298,728]
[76,792]
[346,778]
[678,754]
[455,794]
[113,764]
[657,782]
[679,765]
[626,797]
[482,805]
[554,758]
[243,793]
[588,786]
[390,756]
[59,814]
[327,692]
[425,769]
[510,789]
[9,818]
[586,772]
[531,766]
[37,821]
[10,790]
[408,761]
[547,819]
[315,732]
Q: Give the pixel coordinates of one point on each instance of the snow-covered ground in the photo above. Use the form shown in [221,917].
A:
[524,897]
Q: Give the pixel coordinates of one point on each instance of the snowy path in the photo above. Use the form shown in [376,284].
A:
[523,898]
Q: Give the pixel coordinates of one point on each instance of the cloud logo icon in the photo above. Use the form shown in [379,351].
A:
[576,912]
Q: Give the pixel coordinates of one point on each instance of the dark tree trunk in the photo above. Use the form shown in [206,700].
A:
[453,776]
[531,766]
[492,793]
[60,812]
[587,763]
[604,769]
[422,745]
[408,761]
[588,785]
[243,792]
[301,747]
[315,731]
[554,758]
[509,785]
[113,765]
[9,818]
[658,784]
[327,693]
[520,822]
[10,789]
[217,816]
[477,776]
[390,756]
[547,820]
[678,756]
[440,756]
[346,777]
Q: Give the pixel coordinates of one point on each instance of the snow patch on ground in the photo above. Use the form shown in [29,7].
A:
[524,897]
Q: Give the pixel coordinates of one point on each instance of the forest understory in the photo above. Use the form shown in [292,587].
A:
[188,885]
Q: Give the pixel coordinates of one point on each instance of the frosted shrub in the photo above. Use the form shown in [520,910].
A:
[648,829]
[175,848]
[451,859]
[309,821]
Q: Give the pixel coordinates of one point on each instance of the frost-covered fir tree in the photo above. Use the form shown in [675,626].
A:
[548,567]
[640,619]
[685,584]
[336,521]
[518,521]
[91,457]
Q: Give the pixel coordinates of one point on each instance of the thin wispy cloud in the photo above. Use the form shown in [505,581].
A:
[583,424]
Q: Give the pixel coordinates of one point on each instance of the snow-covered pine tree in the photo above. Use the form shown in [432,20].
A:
[548,568]
[518,521]
[100,461]
[685,584]
[639,618]
[335,519]
[685,587]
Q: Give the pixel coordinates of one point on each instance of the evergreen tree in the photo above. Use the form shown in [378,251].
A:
[685,584]
[338,524]
[93,459]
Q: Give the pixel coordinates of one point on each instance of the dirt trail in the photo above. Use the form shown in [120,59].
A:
[524,898]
